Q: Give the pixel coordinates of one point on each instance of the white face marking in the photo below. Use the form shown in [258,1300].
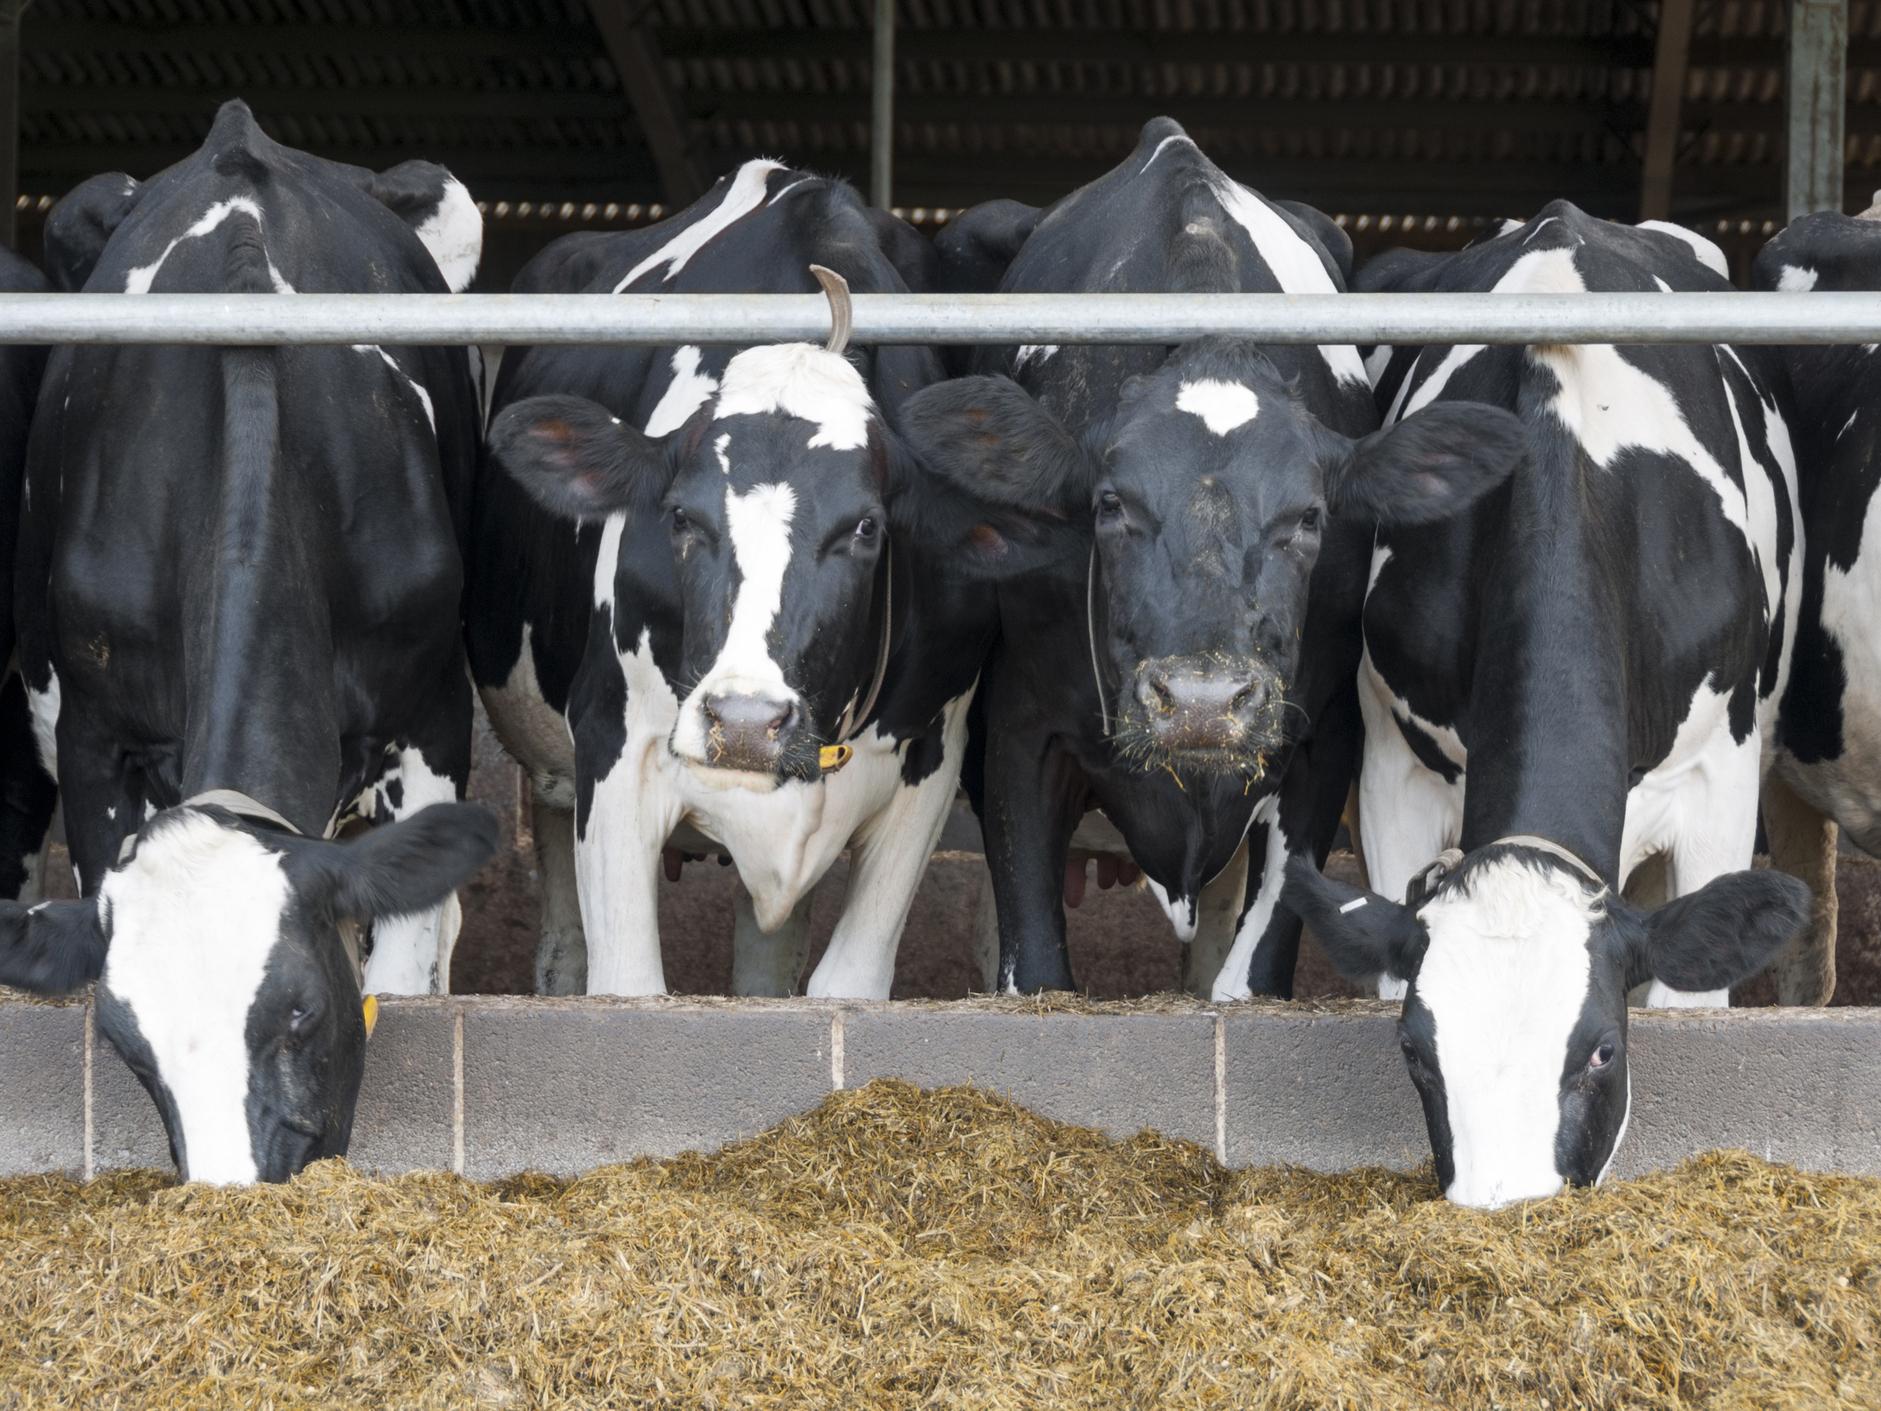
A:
[744,196]
[424,397]
[1505,977]
[1222,406]
[800,380]
[1295,264]
[758,523]
[195,915]
[1703,250]
[454,235]
[141,278]
[1796,279]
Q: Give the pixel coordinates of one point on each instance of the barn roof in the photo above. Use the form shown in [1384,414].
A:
[1431,109]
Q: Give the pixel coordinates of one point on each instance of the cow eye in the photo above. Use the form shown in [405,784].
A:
[1109,504]
[680,522]
[300,1020]
[866,528]
[1602,1056]
[1309,521]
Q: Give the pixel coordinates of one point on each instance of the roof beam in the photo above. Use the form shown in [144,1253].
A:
[636,57]
[1671,54]
[467,43]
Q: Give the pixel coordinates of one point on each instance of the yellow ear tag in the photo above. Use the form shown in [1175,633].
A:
[833,757]
[371,1010]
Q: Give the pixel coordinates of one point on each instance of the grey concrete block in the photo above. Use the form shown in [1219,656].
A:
[42,1087]
[125,1127]
[1791,1085]
[407,1097]
[567,1085]
[1117,1072]
[1323,1090]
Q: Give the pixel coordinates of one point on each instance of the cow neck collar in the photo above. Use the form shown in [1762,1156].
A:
[1424,883]
[855,716]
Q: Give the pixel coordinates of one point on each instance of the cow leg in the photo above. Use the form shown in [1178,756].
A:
[1217,917]
[768,963]
[1267,942]
[1803,844]
[562,950]
[617,870]
[1034,798]
[986,935]
[411,955]
[1719,835]
[1408,814]
[103,801]
[28,796]
[887,860]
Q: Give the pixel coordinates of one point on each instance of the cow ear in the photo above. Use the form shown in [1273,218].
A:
[440,212]
[1002,483]
[397,869]
[578,460]
[1427,467]
[51,948]
[79,227]
[1362,934]
[1724,932]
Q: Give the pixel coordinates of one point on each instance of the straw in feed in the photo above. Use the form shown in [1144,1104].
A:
[896,1248]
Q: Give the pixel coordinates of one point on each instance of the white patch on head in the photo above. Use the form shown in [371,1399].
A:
[1033,352]
[1706,252]
[1295,264]
[195,915]
[453,233]
[744,196]
[141,278]
[758,523]
[1222,406]
[800,380]
[1796,279]
[45,711]
[684,395]
[424,397]
[719,448]
[1505,977]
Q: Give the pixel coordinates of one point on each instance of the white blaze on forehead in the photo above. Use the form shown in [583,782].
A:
[1707,253]
[1222,406]
[1505,977]
[800,380]
[1295,264]
[195,915]
[758,523]
[453,233]
[141,278]
[744,196]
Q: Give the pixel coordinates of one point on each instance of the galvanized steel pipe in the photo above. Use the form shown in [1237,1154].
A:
[656,319]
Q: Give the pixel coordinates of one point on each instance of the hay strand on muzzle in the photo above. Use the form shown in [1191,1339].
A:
[898,1248]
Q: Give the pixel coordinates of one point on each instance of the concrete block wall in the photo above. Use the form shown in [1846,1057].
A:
[488,1087]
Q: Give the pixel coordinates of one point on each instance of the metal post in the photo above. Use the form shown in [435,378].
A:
[882,107]
[1671,51]
[10,12]
[1815,98]
[653,320]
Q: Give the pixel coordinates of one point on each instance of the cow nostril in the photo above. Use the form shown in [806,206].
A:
[783,719]
[1250,697]
[1158,696]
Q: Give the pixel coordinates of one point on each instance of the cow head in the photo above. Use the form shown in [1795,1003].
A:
[223,980]
[774,496]
[1196,516]
[1514,1022]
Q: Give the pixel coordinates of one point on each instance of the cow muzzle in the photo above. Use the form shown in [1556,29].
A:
[1206,712]
[748,732]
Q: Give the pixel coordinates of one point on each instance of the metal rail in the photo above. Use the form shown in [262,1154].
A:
[657,319]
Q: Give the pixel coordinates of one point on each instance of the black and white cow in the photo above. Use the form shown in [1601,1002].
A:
[743,608]
[28,794]
[1827,771]
[1160,656]
[1598,650]
[240,574]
